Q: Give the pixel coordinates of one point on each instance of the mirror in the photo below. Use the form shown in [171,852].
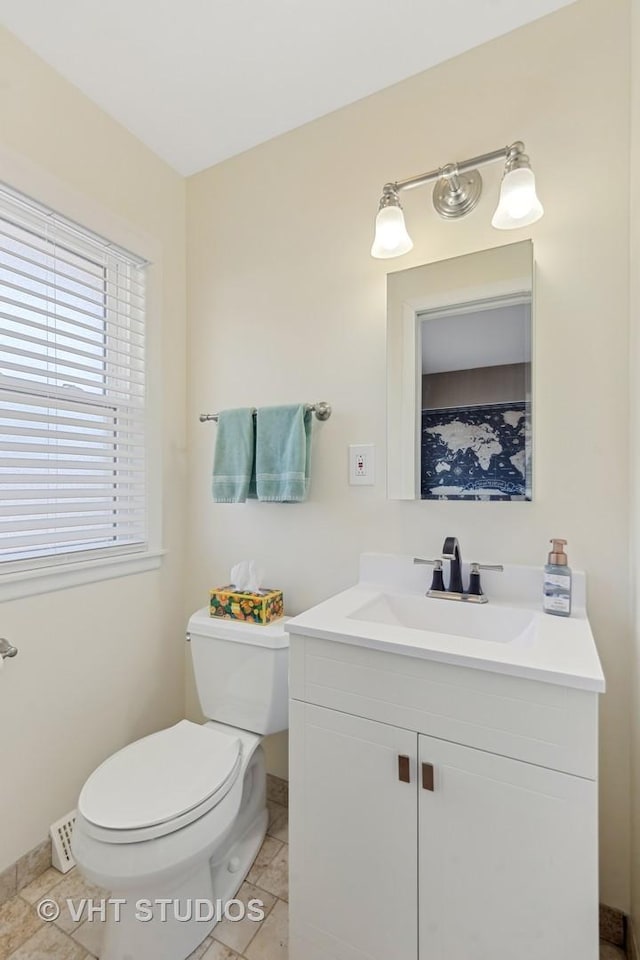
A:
[459,385]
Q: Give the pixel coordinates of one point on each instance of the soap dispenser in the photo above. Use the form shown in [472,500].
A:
[557,582]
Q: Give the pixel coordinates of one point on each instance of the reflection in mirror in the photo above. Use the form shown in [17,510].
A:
[459,377]
[476,400]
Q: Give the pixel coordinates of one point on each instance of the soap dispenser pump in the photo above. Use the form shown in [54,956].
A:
[557,581]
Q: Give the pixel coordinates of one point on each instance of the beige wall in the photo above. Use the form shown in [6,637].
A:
[98,665]
[286,304]
[466,388]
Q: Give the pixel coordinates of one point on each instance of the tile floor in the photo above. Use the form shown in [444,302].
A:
[23,936]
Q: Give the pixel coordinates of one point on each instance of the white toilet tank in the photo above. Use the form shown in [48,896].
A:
[241,671]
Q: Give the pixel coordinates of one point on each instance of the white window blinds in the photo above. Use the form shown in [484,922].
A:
[72,391]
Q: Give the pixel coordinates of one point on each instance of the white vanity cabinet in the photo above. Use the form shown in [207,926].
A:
[438,812]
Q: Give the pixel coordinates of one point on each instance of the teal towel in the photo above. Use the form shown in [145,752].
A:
[234,456]
[283,447]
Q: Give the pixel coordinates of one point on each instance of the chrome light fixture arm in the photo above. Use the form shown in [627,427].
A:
[451,170]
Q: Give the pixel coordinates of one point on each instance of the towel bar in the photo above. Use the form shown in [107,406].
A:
[322,411]
[6,650]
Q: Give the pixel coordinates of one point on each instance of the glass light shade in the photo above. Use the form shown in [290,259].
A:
[519,204]
[391,239]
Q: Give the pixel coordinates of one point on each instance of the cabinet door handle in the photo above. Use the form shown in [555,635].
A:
[427,776]
[404,769]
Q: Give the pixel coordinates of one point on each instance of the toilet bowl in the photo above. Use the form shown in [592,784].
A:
[171,824]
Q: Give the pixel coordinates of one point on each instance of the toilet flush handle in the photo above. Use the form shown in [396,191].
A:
[187,637]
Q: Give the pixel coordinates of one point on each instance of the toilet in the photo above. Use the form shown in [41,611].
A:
[172,823]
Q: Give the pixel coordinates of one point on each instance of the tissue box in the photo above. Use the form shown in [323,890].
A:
[258,608]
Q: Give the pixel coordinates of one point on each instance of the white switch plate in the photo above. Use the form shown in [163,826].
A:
[362,464]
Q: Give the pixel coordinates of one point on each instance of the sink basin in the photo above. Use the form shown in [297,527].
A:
[493,624]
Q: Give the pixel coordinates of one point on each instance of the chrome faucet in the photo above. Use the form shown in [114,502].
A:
[455,590]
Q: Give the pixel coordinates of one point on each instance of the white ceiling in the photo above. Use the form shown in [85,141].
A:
[483,338]
[201,80]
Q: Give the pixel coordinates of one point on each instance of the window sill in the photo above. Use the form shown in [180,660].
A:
[28,583]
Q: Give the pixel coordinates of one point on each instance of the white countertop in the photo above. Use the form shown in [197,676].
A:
[559,650]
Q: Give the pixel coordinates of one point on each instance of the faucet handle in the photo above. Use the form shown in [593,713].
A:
[437,582]
[475,588]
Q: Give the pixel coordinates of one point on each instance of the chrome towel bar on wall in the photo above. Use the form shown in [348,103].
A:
[322,411]
[7,650]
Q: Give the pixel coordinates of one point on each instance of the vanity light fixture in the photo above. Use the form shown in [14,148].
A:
[457,189]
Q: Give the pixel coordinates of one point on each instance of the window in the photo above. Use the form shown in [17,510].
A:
[72,392]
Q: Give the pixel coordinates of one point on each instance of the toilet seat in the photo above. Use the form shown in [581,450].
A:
[160,783]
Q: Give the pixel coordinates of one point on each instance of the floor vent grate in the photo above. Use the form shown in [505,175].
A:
[61,830]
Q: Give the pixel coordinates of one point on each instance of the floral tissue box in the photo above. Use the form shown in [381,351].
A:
[261,608]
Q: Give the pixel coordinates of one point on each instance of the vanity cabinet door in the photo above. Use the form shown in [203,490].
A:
[354,837]
[508,858]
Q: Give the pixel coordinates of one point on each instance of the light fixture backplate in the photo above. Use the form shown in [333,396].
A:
[456,197]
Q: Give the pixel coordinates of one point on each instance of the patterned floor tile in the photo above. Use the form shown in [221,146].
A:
[239,933]
[218,951]
[49,943]
[8,884]
[266,853]
[279,829]
[276,810]
[37,889]
[74,888]
[90,935]
[201,950]
[272,940]
[275,876]
[278,790]
[18,922]
[278,822]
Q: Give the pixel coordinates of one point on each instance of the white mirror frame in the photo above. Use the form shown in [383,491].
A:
[496,272]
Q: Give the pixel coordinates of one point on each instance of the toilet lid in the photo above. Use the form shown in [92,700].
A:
[160,777]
